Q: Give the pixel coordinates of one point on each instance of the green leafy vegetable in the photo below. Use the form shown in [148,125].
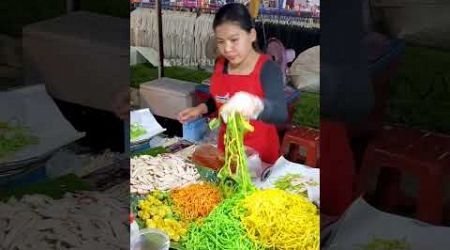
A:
[294,183]
[152,151]
[136,130]
[307,111]
[55,188]
[146,72]
[420,88]
[14,138]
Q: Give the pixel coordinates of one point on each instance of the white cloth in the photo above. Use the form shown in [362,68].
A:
[185,36]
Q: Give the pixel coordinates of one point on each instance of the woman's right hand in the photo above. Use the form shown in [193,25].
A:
[190,114]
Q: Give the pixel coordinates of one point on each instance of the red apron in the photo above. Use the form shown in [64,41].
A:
[264,138]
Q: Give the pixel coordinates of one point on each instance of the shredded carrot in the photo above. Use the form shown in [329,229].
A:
[196,200]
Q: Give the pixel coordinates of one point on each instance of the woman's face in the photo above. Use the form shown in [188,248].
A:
[233,42]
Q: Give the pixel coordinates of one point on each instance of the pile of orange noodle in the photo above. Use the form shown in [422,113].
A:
[196,200]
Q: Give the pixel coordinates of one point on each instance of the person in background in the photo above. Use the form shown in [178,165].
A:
[245,81]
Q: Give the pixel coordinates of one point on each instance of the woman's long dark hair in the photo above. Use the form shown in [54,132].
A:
[235,13]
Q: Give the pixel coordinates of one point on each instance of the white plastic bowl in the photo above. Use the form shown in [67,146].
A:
[150,239]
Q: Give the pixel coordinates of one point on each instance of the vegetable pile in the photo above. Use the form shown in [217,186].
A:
[14,138]
[162,172]
[136,131]
[196,200]
[295,184]
[307,111]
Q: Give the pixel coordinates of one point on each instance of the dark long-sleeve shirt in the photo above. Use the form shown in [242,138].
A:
[346,93]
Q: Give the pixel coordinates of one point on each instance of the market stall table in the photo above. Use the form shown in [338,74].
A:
[280,169]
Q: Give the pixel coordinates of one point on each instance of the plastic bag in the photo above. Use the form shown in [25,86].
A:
[255,166]
[210,136]
[305,70]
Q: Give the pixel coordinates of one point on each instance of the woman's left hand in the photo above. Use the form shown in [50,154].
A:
[121,104]
[248,105]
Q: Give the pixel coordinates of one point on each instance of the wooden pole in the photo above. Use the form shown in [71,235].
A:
[160,39]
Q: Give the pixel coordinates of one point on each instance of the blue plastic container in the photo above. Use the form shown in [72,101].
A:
[24,179]
[195,130]
[202,88]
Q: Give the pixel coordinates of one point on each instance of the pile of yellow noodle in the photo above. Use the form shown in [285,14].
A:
[276,219]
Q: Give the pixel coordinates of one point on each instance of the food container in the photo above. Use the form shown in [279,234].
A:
[195,130]
[208,156]
[150,239]
[167,97]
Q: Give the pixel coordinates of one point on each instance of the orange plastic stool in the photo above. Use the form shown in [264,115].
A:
[424,154]
[307,138]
